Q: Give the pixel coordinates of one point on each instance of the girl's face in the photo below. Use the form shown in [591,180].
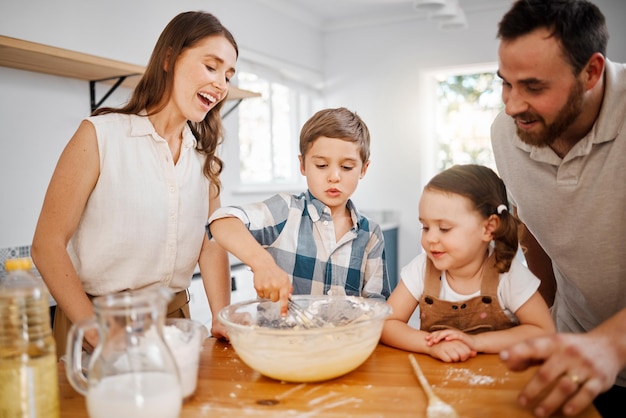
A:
[333,168]
[202,77]
[454,235]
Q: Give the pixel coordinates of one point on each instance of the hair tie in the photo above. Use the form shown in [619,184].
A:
[501,208]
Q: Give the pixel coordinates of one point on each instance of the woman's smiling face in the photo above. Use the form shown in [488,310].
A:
[202,76]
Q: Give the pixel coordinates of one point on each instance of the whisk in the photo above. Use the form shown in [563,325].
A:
[305,318]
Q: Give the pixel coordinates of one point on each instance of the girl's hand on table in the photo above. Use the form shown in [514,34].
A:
[451,351]
[437,337]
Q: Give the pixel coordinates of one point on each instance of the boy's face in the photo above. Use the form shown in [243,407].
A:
[332,168]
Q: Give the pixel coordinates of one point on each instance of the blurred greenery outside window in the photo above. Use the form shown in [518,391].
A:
[269,131]
[467,106]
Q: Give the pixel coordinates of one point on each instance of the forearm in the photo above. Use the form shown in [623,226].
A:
[215,271]
[613,333]
[232,234]
[397,333]
[540,264]
[270,281]
[534,320]
[495,341]
[58,273]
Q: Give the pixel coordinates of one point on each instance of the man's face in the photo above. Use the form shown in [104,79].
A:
[539,89]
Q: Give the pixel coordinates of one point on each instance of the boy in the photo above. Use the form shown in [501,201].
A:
[315,242]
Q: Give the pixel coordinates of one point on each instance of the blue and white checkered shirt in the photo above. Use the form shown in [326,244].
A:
[299,233]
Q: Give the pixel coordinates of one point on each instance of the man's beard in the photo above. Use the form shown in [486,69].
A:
[567,115]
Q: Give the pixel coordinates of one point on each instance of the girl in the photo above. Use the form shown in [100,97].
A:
[474,297]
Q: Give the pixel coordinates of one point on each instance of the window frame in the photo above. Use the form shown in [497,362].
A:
[303,109]
[430,81]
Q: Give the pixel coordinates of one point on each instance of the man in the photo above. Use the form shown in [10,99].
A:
[560,147]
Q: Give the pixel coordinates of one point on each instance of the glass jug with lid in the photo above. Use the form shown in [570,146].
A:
[131,372]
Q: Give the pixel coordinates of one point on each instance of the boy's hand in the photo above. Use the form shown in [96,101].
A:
[271,282]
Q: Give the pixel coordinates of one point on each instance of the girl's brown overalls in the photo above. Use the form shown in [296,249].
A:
[473,316]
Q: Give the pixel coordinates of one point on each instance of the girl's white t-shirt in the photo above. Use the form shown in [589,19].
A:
[515,287]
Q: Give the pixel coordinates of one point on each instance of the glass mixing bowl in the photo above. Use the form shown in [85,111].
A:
[280,348]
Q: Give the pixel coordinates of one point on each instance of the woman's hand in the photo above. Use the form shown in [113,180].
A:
[90,340]
[218,330]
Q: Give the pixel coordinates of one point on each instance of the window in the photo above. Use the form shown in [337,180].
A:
[467,104]
[269,132]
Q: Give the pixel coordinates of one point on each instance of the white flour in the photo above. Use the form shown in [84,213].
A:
[466,375]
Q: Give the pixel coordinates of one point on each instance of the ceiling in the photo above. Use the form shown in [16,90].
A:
[333,15]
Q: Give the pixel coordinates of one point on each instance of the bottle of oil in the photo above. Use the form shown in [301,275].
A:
[28,369]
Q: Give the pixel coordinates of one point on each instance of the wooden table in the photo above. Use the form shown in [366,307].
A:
[383,386]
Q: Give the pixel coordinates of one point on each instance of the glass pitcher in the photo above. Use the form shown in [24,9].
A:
[131,372]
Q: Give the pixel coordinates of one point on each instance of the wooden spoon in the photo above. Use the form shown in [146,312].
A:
[436,407]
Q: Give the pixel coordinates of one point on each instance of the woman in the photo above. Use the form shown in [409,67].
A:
[128,203]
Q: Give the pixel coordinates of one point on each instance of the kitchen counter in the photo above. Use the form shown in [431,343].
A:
[384,386]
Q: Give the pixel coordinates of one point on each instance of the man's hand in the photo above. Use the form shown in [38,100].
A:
[575,368]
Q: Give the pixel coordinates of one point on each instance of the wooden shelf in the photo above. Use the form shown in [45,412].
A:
[31,56]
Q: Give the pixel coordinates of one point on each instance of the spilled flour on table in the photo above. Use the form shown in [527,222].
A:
[290,391]
[328,402]
[468,376]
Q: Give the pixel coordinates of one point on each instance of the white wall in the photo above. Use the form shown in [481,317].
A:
[377,71]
